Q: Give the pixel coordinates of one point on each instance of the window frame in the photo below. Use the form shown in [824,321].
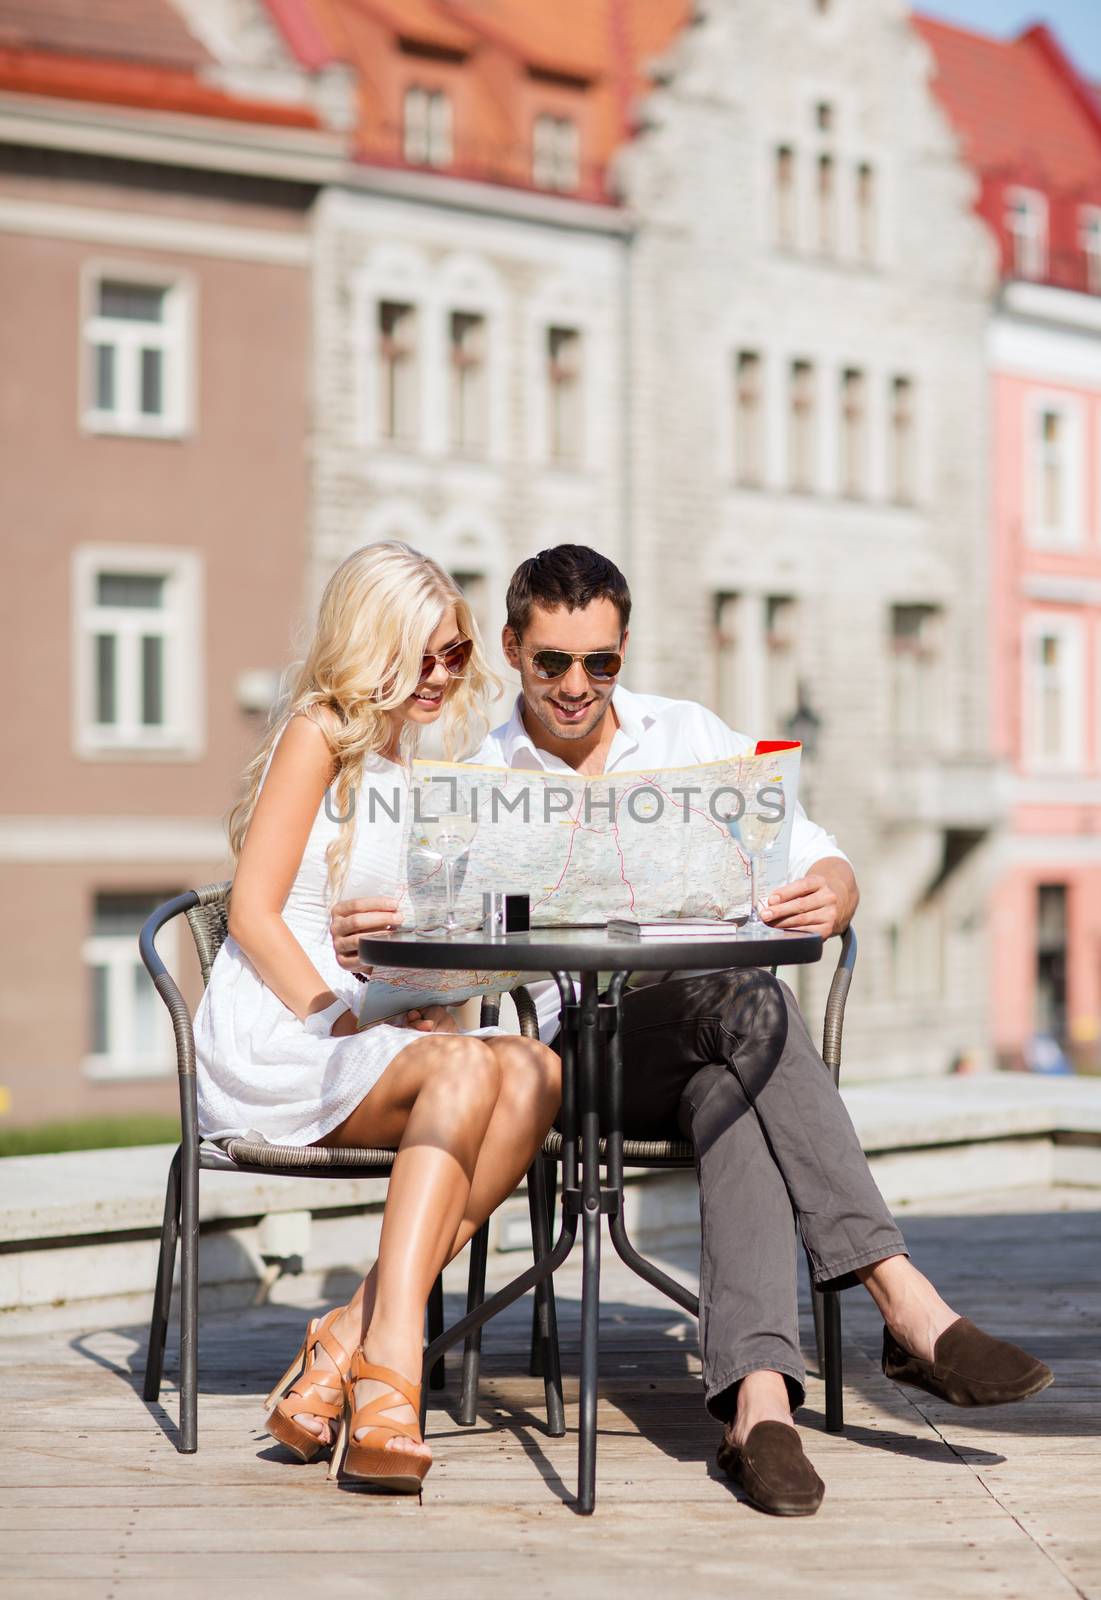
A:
[554,169]
[118,953]
[181,736]
[1035,201]
[176,342]
[749,465]
[1038,624]
[393,437]
[1089,237]
[921,684]
[1039,534]
[437,135]
[803,423]
[468,399]
[565,388]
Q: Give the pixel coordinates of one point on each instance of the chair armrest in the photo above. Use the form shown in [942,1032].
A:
[165,984]
[526,1013]
[835,1003]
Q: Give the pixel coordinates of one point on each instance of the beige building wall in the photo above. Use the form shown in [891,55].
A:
[227,496]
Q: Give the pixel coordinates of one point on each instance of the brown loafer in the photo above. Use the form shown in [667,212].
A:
[969,1367]
[773,1471]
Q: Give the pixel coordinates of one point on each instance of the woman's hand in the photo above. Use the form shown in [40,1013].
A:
[431,1019]
[346,1023]
[352,919]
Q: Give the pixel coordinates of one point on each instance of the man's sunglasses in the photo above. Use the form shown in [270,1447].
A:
[601,665]
[454,659]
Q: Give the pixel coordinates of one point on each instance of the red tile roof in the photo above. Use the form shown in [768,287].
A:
[508,59]
[134,53]
[1017,104]
[151,31]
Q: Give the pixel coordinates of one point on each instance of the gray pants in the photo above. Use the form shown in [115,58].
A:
[727,1057]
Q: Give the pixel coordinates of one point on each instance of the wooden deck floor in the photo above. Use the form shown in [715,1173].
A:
[922,1500]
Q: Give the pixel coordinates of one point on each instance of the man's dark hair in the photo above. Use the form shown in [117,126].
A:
[570,575]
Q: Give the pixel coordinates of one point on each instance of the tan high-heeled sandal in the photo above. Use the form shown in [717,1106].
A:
[298,1392]
[366,1463]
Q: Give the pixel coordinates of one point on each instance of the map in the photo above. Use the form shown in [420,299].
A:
[643,845]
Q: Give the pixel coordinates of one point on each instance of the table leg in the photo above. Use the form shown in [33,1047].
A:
[544,1268]
[589,1052]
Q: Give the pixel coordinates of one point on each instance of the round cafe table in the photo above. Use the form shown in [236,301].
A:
[591,1122]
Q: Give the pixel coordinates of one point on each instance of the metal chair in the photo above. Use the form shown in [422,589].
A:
[207,912]
[672,1154]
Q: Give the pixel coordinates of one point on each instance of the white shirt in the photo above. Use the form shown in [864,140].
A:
[652,732]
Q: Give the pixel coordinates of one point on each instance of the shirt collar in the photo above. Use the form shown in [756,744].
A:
[519,750]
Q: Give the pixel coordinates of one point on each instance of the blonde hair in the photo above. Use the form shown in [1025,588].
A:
[377,614]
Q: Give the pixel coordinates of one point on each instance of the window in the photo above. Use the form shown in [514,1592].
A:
[555,153]
[1091,245]
[826,205]
[1053,691]
[865,212]
[729,681]
[823,117]
[1027,222]
[781,663]
[917,949]
[900,465]
[136,334]
[564,395]
[785,197]
[1051,960]
[1055,470]
[397,371]
[468,381]
[748,419]
[137,651]
[853,433]
[802,433]
[130,1033]
[914,673]
[476,592]
[426,128]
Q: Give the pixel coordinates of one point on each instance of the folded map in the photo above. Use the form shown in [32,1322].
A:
[645,846]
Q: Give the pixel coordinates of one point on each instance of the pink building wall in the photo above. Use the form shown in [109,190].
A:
[1054,829]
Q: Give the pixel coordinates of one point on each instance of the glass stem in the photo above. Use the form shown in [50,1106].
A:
[449,883]
[754,875]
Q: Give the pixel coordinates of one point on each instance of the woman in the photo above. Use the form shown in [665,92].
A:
[396,649]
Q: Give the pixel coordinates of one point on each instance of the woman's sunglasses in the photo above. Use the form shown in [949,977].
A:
[600,665]
[454,659]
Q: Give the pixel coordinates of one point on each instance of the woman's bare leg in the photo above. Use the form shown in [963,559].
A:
[434,1102]
[526,1103]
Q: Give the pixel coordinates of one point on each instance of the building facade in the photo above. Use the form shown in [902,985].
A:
[154,374]
[712,287]
[809,435]
[1040,195]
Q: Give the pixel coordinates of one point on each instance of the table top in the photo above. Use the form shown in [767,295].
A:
[584,950]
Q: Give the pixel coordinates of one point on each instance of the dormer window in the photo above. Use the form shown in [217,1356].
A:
[426,128]
[1091,245]
[1026,219]
[555,153]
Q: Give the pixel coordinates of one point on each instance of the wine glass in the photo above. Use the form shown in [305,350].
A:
[757,830]
[443,834]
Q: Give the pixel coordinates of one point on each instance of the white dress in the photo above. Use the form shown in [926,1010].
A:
[260,1069]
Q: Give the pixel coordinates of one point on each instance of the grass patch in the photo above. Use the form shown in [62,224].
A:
[90,1133]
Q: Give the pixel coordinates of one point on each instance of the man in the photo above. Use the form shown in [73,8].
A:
[727,1057]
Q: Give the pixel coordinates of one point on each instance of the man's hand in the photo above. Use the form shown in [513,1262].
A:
[353,918]
[808,904]
[823,902]
[431,1019]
